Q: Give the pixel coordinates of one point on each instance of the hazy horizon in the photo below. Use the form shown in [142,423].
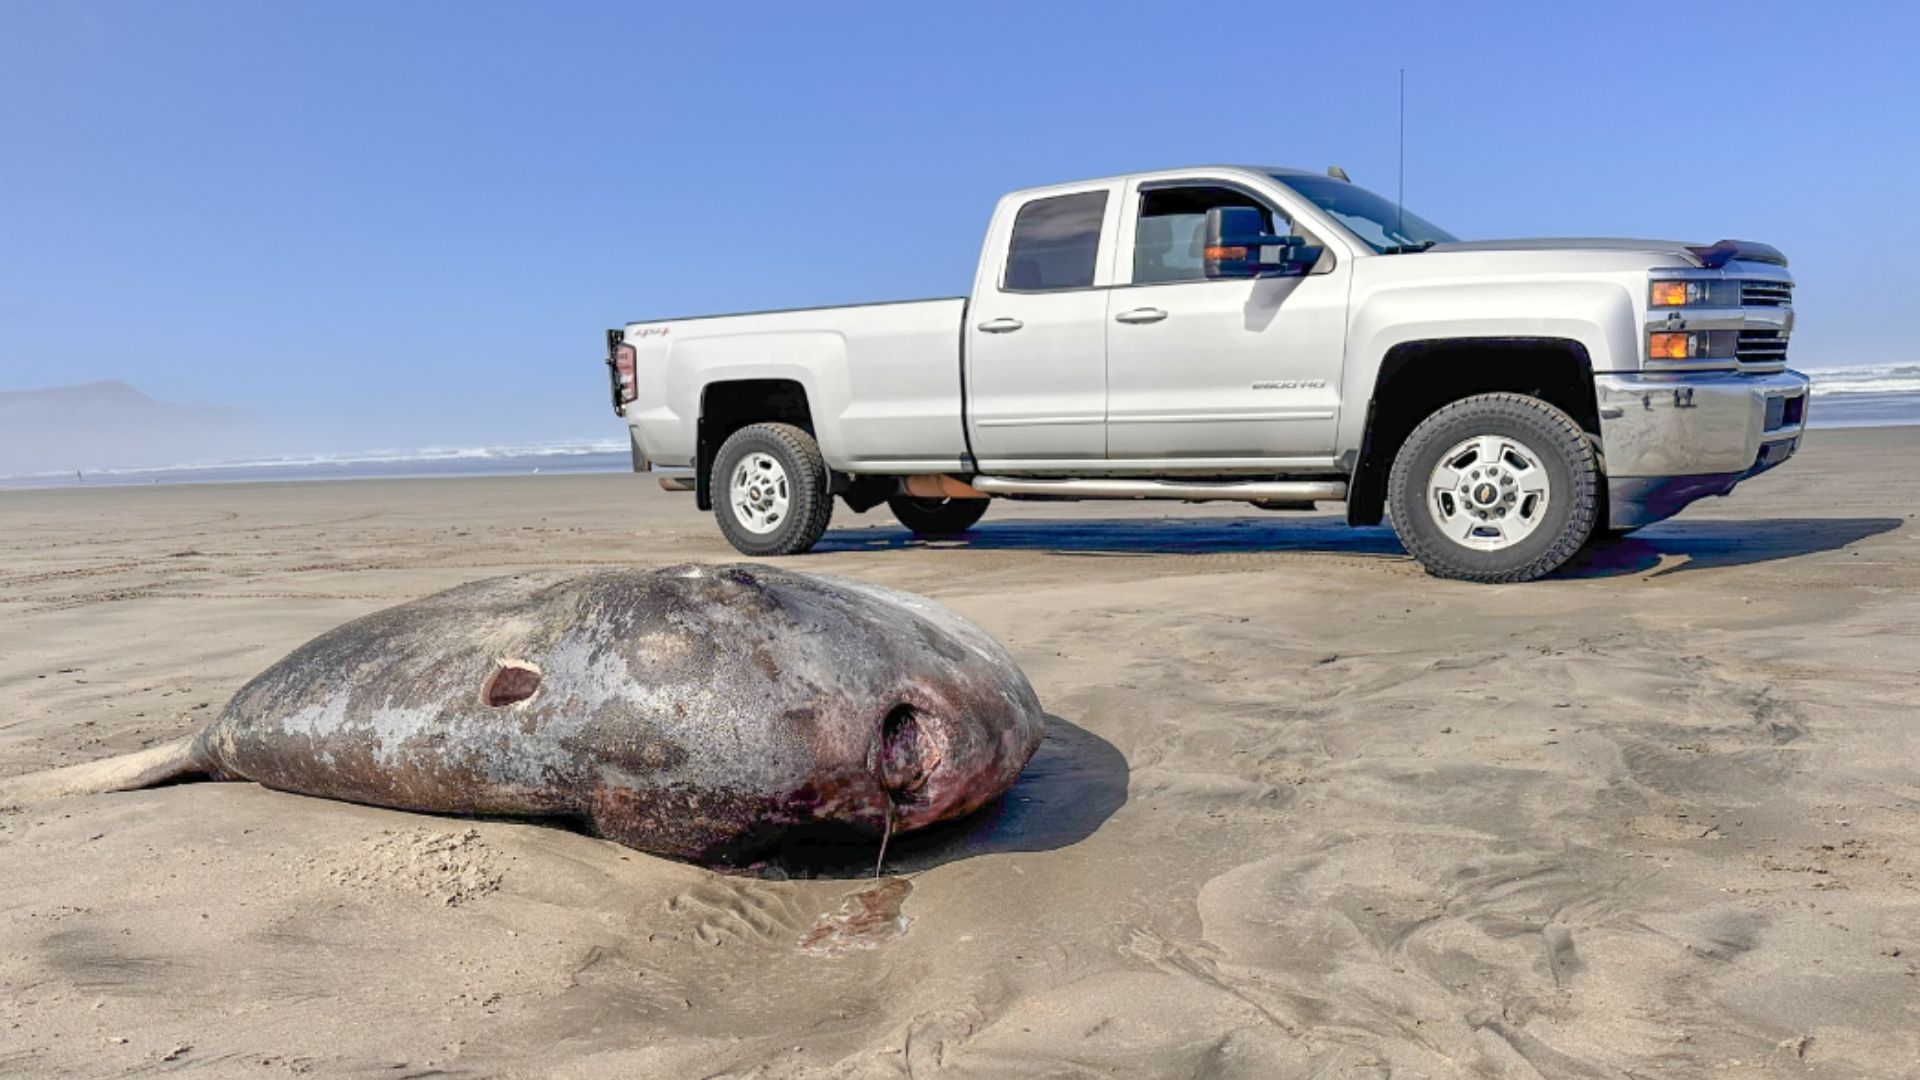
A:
[375,226]
[110,428]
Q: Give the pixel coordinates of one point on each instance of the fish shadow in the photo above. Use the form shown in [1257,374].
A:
[1071,786]
[1073,783]
[1708,544]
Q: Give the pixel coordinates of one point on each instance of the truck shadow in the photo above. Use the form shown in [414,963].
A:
[1690,545]
[1072,785]
[1137,536]
[1709,544]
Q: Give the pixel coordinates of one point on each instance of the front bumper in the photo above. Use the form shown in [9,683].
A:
[1670,439]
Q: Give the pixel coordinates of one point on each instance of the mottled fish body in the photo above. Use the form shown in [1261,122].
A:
[702,712]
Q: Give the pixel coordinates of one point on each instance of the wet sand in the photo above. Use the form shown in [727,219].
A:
[1302,811]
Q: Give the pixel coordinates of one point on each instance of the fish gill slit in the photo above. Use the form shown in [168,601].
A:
[512,682]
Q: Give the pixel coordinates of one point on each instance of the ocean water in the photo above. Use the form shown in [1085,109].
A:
[599,456]
[1878,396]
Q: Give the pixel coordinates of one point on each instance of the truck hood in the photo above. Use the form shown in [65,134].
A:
[1712,256]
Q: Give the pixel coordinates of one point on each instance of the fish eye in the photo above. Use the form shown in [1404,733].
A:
[512,682]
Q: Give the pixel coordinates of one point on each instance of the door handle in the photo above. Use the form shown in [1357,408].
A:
[1002,325]
[1141,315]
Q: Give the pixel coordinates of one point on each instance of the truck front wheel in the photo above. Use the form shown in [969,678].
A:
[936,517]
[770,490]
[1495,488]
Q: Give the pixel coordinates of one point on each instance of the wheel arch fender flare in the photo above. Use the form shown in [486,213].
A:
[1414,376]
[815,363]
[1599,315]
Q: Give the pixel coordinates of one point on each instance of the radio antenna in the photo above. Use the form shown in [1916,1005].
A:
[1400,212]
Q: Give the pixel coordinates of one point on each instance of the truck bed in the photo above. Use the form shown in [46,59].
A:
[882,380]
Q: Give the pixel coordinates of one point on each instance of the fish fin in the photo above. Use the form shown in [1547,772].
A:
[156,765]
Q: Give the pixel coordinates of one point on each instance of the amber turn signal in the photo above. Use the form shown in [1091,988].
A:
[1225,253]
[1669,294]
[1670,346]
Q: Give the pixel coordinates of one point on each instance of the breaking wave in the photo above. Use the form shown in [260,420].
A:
[420,455]
[432,458]
[1875,379]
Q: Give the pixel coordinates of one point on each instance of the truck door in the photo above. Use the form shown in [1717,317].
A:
[1036,357]
[1243,371]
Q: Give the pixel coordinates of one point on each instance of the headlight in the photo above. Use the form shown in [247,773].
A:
[1694,293]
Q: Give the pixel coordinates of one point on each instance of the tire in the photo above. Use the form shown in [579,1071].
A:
[770,494]
[1527,497]
[936,517]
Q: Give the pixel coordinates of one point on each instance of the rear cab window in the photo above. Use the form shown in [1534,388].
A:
[1055,243]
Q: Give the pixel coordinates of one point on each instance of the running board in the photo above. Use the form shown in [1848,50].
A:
[1191,491]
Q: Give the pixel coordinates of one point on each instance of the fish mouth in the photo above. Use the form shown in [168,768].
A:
[910,752]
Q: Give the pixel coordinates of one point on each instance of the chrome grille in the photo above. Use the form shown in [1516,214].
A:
[1762,347]
[1765,294]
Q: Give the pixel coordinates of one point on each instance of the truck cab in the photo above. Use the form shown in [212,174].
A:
[1096,336]
[1274,336]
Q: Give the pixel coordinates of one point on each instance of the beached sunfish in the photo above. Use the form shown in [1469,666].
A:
[703,712]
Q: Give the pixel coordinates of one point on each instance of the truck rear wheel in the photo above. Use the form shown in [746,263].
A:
[770,490]
[1495,488]
[936,517]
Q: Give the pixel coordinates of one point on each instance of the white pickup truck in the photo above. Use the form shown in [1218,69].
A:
[1266,335]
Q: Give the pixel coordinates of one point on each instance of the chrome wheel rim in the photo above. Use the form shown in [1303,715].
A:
[758,492]
[1489,492]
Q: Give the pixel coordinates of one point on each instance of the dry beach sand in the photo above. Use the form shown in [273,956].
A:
[1303,811]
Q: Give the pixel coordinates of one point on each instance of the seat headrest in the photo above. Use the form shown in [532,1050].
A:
[1197,243]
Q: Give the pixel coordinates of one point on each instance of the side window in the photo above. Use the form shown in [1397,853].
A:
[1055,241]
[1169,238]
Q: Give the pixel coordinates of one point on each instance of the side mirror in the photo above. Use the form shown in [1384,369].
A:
[1238,247]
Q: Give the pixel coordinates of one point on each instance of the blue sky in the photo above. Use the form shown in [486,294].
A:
[408,223]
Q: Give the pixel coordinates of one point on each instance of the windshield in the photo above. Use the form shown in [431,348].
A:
[1386,227]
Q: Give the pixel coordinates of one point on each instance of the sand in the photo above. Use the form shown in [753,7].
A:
[1303,811]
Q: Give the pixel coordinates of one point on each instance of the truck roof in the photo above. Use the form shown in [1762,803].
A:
[1259,170]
